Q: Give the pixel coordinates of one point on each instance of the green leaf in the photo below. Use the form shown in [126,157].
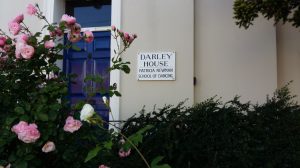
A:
[155,161]
[92,153]
[10,120]
[76,48]
[22,164]
[24,118]
[137,137]
[117,93]
[126,69]
[46,38]
[29,157]
[19,110]
[108,145]
[43,116]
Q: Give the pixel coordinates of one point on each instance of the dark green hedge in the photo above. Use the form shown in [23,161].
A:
[221,135]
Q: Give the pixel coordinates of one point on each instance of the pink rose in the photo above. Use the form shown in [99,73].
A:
[19,46]
[2,41]
[22,38]
[7,48]
[56,32]
[123,153]
[19,127]
[73,37]
[72,125]
[26,133]
[88,36]
[103,166]
[14,28]
[31,9]
[19,18]
[48,147]
[131,38]
[113,28]
[76,28]
[70,20]
[59,32]
[126,36]
[49,44]
[27,51]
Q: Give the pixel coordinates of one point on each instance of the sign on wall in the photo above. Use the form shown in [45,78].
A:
[156,66]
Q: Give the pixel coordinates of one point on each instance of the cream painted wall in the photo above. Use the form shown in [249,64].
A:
[231,61]
[161,25]
[9,9]
[288,49]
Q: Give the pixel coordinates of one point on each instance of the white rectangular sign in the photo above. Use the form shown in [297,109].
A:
[156,66]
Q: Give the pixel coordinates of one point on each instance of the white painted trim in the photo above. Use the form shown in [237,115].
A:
[116,8]
[48,10]
[104,28]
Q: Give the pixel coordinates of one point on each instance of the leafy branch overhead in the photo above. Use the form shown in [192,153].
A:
[246,11]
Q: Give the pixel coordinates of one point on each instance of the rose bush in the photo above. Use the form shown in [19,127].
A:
[38,128]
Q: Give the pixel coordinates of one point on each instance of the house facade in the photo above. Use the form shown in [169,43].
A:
[213,55]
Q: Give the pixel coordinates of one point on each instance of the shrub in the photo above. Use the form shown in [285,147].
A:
[226,135]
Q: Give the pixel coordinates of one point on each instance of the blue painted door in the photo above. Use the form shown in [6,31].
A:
[92,59]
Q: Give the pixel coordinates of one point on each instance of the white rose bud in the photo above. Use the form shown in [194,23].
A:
[48,147]
[105,100]
[86,112]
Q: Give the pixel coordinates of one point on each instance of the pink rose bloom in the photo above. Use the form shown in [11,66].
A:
[49,44]
[113,28]
[103,166]
[26,133]
[126,36]
[73,37]
[31,9]
[88,36]
[19,127]
[70,20]
[76,28]
[2,41]
[19,18]
[131,38]
[59,32]
[19,46]
[27,51]
[14,28]
[123,153]
[48,147]
[7,48]
[72,125]
[22,38]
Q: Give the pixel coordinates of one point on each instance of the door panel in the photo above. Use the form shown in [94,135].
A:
[92,59]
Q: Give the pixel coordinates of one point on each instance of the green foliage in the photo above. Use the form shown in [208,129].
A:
[92,153]
[246,11]
[154,163]
[213,134]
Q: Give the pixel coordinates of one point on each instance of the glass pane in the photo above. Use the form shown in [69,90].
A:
[90,14]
